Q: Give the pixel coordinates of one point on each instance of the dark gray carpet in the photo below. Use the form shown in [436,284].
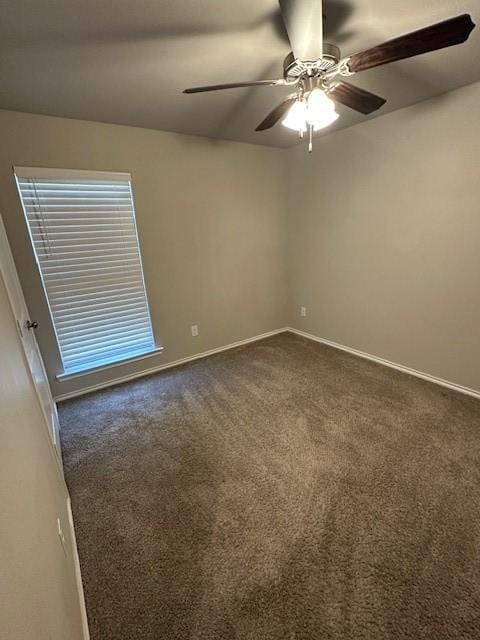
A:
[283,490]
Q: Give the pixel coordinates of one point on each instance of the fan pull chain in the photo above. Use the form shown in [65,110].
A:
[310,145]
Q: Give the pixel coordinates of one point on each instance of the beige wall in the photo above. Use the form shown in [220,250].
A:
[382,242]
[211,222]
[384,237]
[384,251]
[38,594]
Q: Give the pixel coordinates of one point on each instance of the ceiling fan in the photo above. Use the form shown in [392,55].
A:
[313,67]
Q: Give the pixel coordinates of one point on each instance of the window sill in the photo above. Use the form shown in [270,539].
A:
[62,377]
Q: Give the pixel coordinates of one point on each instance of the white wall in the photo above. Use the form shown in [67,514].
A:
[384,237]
[211,219]
[38,593]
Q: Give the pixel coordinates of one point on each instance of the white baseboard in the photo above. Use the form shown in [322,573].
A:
[362,354]
[168,365]
[78,574]
[387,363]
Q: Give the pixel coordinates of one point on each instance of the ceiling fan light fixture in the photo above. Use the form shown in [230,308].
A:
[296,117]
[322,120]
[313,66]
[320,110]
[318,102]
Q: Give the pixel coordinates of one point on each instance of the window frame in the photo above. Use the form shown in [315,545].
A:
[22,173]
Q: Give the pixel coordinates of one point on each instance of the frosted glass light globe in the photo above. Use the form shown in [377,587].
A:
[296,117]
[320,110]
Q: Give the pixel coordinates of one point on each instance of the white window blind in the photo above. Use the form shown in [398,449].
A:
[83,232]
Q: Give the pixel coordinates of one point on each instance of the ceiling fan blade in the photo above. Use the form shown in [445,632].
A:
[276,114]
[304,23]
[356,98]
[436,36]
[236,85]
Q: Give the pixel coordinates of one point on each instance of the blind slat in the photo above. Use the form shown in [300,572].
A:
[84,236]
[77,284]
[104,349]
[69,324]
[89,273]
[105,319]
[99,360]
[106,293]
[76,287]
[108,328]
[106,265]
[102,343]
[83,317]
[78,306]
[76,257]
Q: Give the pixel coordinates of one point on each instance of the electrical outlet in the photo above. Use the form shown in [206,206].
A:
[303,312]
[194,330]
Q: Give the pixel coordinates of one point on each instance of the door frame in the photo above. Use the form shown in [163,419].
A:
[9,275]
[15,295]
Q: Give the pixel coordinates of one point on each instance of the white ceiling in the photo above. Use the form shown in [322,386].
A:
[127,62]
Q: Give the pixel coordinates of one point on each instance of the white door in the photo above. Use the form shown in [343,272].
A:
[26,329]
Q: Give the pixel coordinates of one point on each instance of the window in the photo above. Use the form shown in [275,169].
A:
[83,232]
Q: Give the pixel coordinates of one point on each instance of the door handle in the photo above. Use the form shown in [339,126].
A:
[32,324]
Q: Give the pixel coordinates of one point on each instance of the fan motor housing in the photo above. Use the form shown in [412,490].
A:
[293,68]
